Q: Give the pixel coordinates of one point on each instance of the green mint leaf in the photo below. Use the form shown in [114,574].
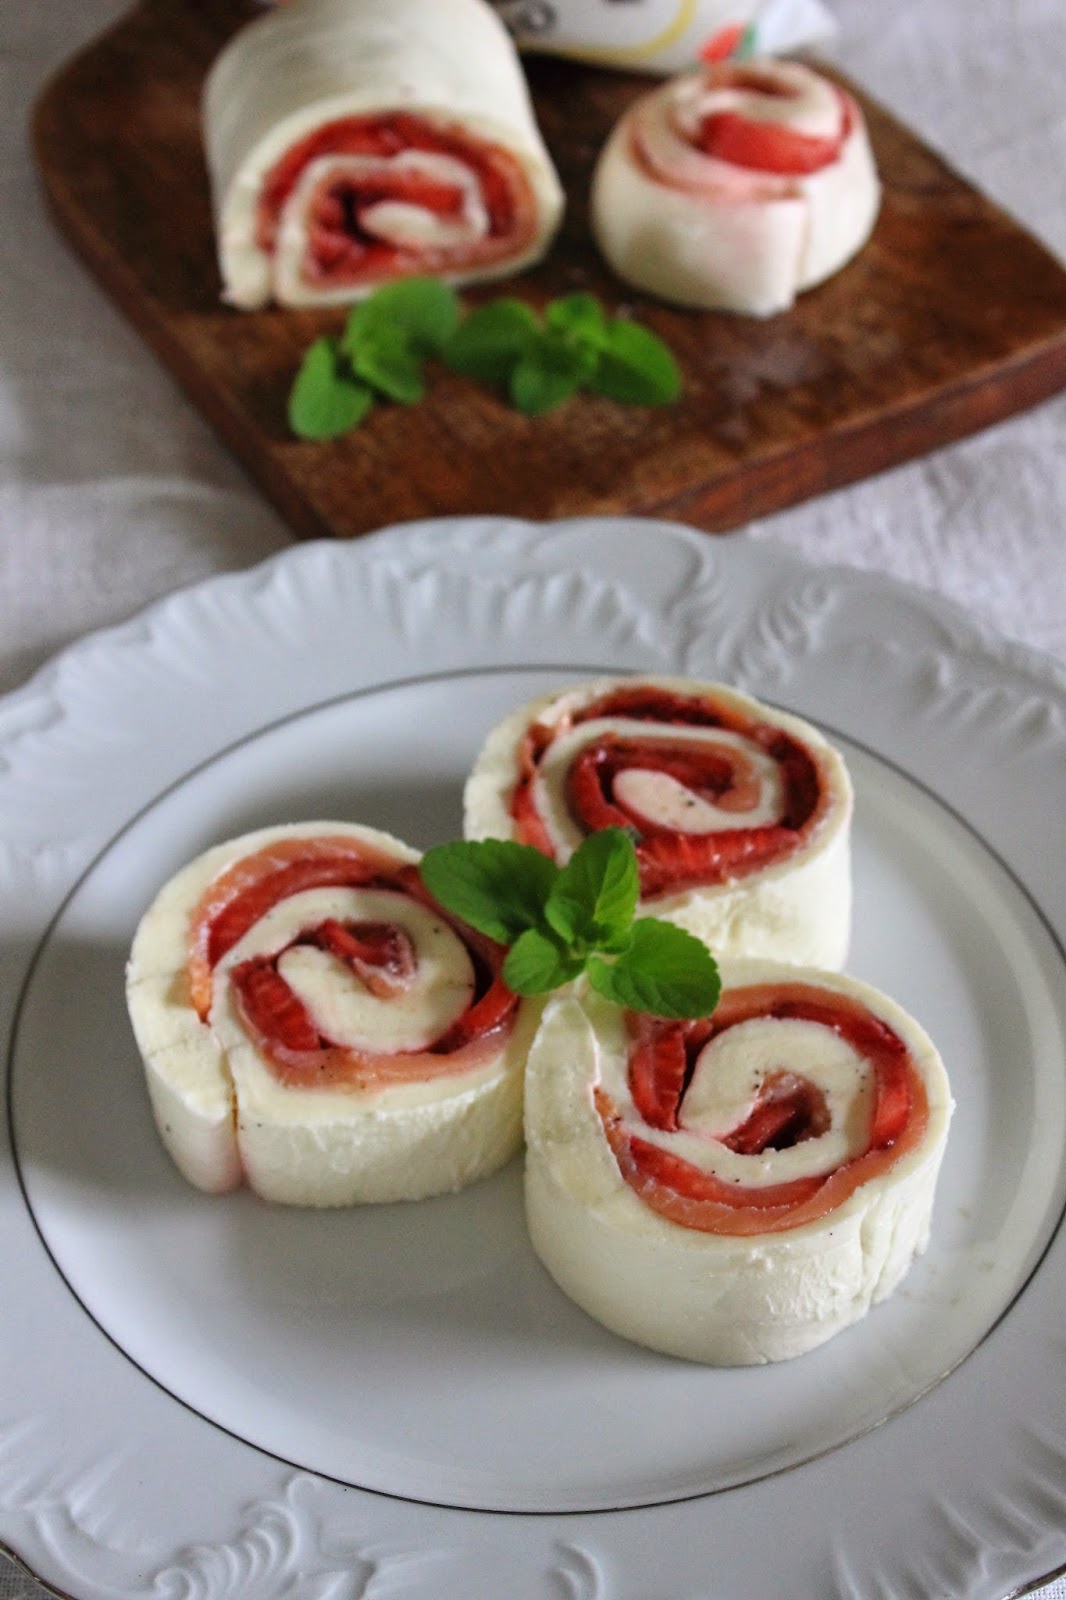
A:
[496,885]
[550,371]
[541,364]
[490,342]
[664,971]
[420,313]
[635,367]
[389,364]
[578,315]
[535,388]
[326,400]
[594,897]
[537,963]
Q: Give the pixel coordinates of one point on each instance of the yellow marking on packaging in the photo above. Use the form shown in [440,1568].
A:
[686,13]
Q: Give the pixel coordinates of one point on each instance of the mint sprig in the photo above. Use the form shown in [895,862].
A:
[561,922]
[542,361]
[593,899]
[422,312]
[539,361]
[385,343]
[496,885]
[490,341]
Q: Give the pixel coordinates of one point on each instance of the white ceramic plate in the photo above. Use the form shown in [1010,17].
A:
[214,1397]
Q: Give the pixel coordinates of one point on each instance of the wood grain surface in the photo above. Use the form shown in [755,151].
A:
[952,318]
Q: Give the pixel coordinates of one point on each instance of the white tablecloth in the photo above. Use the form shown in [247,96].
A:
[114,492]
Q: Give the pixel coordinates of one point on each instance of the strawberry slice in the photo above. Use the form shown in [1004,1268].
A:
[528,824]
[723,44]
[380,955]
[270,1007]
[501,182]
[659,1070]
[788,1110]
[766,146]
[485,1017]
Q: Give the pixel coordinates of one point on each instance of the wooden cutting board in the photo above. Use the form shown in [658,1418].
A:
[951,318]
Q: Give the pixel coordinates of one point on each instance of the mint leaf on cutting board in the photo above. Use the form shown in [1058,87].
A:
[326,399]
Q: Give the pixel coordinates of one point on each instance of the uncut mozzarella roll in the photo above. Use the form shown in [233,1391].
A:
[735,1190]
[736,187]
[313,1024]
[741,814]
[352,142]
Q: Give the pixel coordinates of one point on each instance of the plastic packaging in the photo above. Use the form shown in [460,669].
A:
[663,36]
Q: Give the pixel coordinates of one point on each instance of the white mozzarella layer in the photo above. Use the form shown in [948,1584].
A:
[223,1114]
[796,910]
[724,1301]
[342,1007]
[703,233]
[301,67]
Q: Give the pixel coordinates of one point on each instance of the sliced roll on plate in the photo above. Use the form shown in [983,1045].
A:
[353,142]
[741,814]
[739,1189]
[312,1024]
[736,187]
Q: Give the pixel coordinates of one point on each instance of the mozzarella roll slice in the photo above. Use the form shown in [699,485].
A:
[741,814]
[312,1024]
[353,142]
[736,187]
[734,1190]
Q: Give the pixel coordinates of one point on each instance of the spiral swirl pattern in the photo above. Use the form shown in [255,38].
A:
[736,187]
[351,145]
[312,1023]
[741,1188]
[740,814]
